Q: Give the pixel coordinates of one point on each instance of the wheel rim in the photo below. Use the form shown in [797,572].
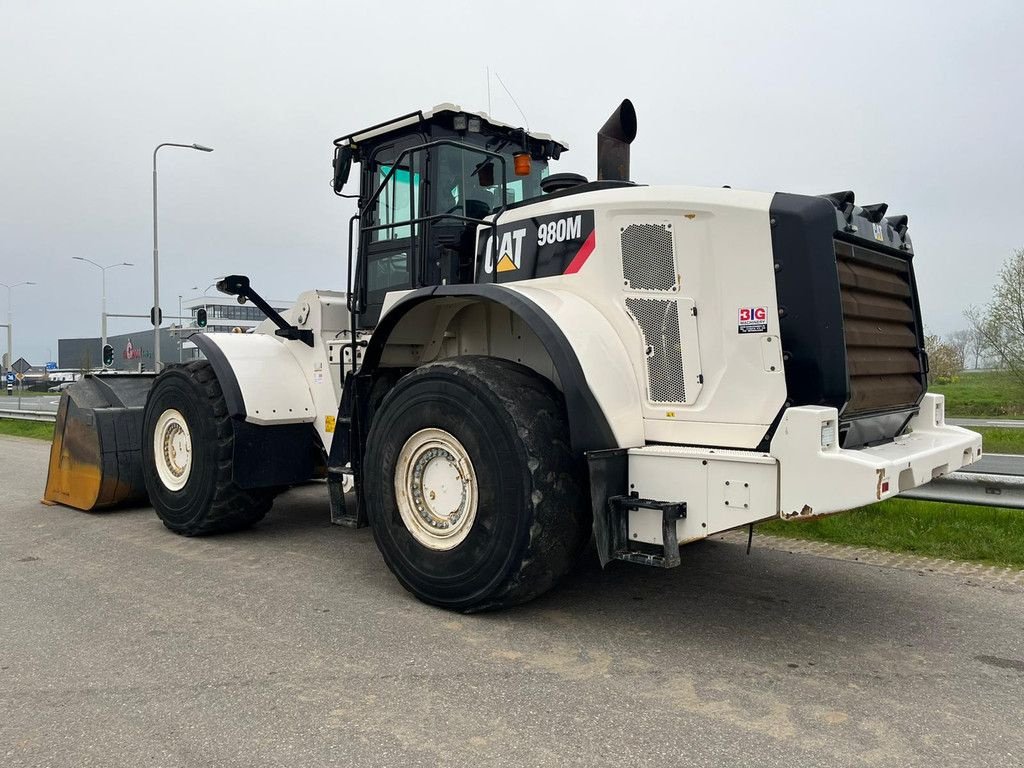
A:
[436,489]
[172,449]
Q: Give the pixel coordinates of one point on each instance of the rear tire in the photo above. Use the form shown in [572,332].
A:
[188,450]
[475,498]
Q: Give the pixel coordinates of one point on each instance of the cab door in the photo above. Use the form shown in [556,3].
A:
[389,240]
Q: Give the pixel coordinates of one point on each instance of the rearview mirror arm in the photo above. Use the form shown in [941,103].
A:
[238,285]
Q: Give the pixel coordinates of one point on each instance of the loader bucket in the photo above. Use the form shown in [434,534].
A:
[96,456]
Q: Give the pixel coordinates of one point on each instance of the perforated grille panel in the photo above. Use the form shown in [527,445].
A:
[648,257]
[659,322]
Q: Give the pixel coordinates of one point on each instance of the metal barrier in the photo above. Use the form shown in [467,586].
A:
[973,488]
[24,415]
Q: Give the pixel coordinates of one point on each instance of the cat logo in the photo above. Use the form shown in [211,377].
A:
[506,264]
[511,249]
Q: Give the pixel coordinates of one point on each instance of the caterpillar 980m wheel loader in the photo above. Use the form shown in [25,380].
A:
[525,362]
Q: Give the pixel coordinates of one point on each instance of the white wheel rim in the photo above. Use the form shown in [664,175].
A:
[436,489]
[172,450]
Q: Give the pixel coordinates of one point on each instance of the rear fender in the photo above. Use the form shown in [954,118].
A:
[587,360]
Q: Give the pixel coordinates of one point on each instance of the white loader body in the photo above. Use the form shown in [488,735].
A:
[673,316]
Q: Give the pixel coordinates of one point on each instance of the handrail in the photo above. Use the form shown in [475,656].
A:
[357,298]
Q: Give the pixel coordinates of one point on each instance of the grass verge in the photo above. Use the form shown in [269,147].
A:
[951,531]
[1001,439]
[983,395]
[39,429]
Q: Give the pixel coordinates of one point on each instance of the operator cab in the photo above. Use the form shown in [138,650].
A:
[427,180]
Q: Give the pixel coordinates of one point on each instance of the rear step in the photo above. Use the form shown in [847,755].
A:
[618,524]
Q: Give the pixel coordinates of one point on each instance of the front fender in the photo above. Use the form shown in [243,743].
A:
[261,380]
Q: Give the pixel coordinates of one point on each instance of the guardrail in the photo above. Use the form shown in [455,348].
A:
[973,488]
[995,480]
[26,415]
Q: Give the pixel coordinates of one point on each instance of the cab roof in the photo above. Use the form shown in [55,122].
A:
[443,115]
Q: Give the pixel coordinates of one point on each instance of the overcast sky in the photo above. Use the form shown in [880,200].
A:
[918,104]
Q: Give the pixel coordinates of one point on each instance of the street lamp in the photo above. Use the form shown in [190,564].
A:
[10,332]
[180,327]
[156,253]
[103,316]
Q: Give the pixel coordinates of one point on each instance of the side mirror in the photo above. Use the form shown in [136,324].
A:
[342,166]
[233,285]
[485,174]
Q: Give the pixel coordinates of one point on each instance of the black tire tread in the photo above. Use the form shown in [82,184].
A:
[233,508]
[561,524]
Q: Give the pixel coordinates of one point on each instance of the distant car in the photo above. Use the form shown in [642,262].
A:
[60,387]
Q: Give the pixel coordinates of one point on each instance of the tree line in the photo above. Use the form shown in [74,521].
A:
[994,336]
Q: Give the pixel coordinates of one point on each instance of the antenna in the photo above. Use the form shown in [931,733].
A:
[513,99]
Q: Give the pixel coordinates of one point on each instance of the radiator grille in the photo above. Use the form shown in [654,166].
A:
[659,323]
[648,257]
[882,337]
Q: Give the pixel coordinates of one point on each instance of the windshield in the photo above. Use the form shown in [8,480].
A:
[459,181]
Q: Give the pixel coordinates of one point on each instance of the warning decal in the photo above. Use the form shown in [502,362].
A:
[753,320]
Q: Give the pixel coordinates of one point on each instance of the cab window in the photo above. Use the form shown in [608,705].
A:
[397,204]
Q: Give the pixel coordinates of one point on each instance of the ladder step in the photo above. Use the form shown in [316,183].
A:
[622,549]
[345,508]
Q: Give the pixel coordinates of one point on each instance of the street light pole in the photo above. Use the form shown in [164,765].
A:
[156,253]
[103,316]
[10,322]
[180,324]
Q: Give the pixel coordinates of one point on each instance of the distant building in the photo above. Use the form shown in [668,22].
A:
[134,350]
[223,315]
[131,350]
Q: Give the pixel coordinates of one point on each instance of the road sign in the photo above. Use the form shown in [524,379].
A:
[19,376]
[21,365]
[51,366]
[10,377]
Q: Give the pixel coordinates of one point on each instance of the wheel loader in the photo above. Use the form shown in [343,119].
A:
[525,364]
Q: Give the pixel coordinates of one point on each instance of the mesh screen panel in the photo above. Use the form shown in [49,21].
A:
[648,257]
[659,322]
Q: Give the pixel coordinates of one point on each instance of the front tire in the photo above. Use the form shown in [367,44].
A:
[188,449]
[475,498]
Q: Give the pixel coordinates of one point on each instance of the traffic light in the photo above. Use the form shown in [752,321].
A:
[201,317]
[108,355]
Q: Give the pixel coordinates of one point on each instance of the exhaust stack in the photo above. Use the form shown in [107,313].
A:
[613,140]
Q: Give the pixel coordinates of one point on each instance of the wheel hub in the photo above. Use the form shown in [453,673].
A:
[436,489]
[172,449]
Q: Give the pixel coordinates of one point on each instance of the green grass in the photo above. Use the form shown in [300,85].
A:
[989,394]
[950,531]
[1001,439]
[38,429]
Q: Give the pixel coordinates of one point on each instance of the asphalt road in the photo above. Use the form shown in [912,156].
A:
[1009,423]
[291,645]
